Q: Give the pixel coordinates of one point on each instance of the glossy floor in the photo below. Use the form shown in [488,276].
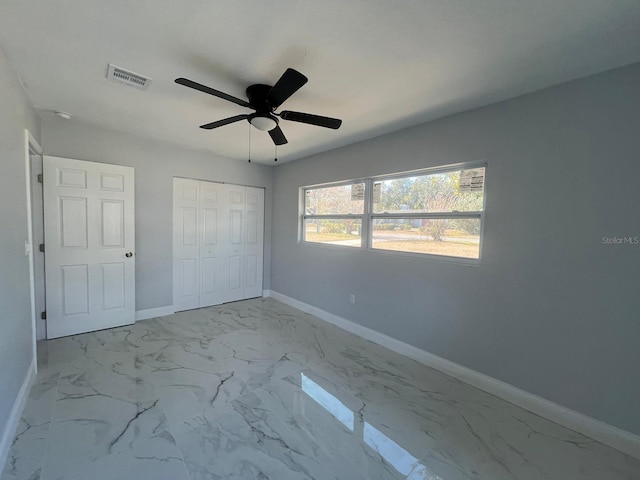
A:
[259,390]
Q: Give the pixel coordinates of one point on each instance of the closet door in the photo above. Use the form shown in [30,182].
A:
[213,219]
[218,232]
[186,244]
[233,280]
[254,237]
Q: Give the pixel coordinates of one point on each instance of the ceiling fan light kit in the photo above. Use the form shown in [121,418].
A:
[64,115]
[265,99]
[264,122]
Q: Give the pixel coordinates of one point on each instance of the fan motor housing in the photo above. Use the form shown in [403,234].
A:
[257,95]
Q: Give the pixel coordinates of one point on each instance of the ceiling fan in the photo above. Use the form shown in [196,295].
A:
[265,99]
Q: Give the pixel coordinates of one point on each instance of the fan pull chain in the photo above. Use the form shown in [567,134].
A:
[275,155]
[249,143]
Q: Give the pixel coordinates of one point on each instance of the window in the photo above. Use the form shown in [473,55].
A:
[431,212]
[334,215]
[437,213]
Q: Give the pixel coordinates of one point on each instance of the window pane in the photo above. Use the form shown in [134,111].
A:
[460,190]
[340,200]
[454,237]
[334,232]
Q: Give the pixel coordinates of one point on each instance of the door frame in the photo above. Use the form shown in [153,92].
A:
[31,146]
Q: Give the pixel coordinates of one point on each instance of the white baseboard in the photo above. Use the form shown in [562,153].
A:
[154,312]
[615,437]
[15,414]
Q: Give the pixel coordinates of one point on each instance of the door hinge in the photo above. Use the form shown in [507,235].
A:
[43,315]
[42,247]
[39,178]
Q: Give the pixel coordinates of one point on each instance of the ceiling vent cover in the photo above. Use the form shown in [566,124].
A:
[127,77]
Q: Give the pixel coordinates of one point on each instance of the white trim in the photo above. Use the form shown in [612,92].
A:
[33,142]
[30,144]
[615,437]
[266,293]
[154,312]
[15,414]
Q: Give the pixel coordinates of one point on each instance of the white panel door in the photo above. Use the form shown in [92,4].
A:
[254,236]
[186,244]
[89,238]
[213,218]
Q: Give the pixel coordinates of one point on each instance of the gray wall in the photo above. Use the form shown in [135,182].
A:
[16,332]
[550,309]
[156,164]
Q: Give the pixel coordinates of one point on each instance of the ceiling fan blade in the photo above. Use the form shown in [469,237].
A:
[326,122]
[277,136]
[216,93]
[289,83]
[225,121]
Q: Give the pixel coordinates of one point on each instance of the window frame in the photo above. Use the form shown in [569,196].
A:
[368,216]
[303,216]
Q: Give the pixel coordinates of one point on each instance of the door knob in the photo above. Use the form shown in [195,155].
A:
[128,254]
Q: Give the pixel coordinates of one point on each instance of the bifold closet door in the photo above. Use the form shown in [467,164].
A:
[186,245]
[254,240]
[218,234]
[244,242]
[213,214]
[233,268]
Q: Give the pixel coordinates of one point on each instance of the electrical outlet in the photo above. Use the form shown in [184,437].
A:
[352,298]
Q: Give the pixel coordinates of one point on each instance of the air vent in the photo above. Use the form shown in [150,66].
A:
[126,77]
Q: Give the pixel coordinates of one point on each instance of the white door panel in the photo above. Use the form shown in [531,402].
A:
[212,213]
[112,283]
[253,249]
[111,182]
[75,289]
[112,223]
[234,245]
[186,247]
[209,276]
[235,276]
[210,227]
[73,226]
[89,229]
[251,274]
[189,226]
[235,226]
[189,278]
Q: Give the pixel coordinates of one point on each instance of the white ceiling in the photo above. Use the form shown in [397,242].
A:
[380,65]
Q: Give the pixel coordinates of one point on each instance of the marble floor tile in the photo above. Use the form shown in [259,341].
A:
[28,447]
[331,418]
[186,393]
[247,441]
[259,390]
[504,441]
[218,358]
[154,458]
